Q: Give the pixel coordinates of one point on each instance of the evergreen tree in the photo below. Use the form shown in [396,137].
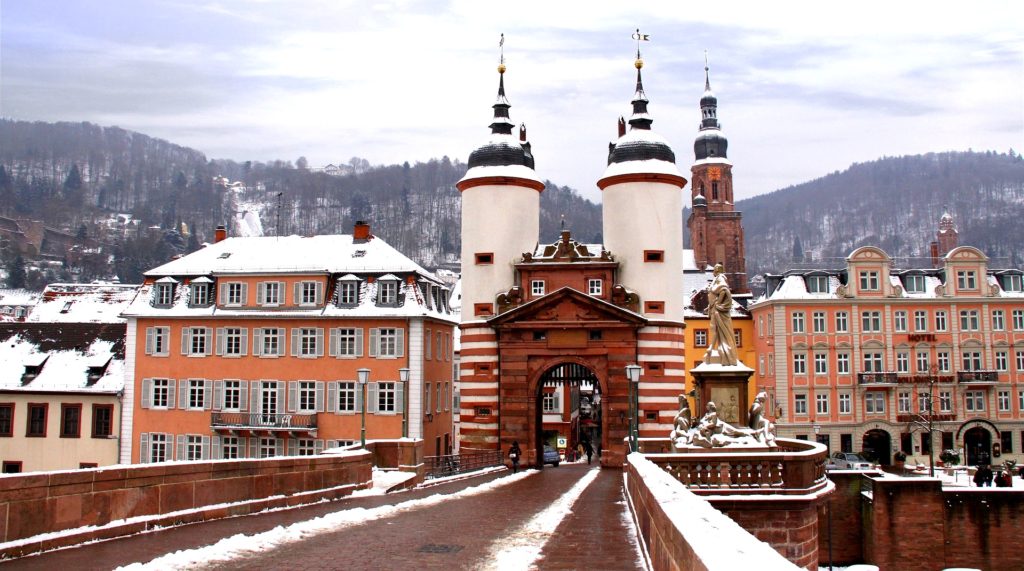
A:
[798,250]
[16,276]
[73,188]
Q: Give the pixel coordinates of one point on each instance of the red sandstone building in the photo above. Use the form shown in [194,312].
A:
[861,357]
[254,347]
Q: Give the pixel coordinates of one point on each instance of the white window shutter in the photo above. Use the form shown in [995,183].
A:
[295,341]
[400,342]
[427,345]
[332,396]
[319,397]
[224,294]
[297,293]
[206,448]
[244,343]
[319,287]
[181,447]
[257,341]
[147,393]
[374,336]
[399,396]
[333,339]
[254,397]
[282,293]
[280,341]
[359,396]
[222,341]
[243,396]
[208,345]
[319,341]
[150,340]
[218,395]
[279,447]
[281,395]
[359,342]
[261,292]
[245,294]
[371,405]
[208,394]
[170,393]
[558,407]
[293,447]
[293,396]
[216,448]
[144,457]
[318,447]
[184,340]
[254,447]
[183,393]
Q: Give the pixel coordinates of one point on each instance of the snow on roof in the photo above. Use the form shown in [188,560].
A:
[713,161]
[68,354]
[516,171]
[291,254]
[19,297]
[649,166]
[83,303]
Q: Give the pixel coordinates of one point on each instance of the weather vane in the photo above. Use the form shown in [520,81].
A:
[705,60]
[501,54]
[640,38]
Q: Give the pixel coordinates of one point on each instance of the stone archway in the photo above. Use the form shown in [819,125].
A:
[561,390]
[978,445]
[876,446]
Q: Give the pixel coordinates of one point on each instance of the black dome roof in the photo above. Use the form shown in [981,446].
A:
[496,153]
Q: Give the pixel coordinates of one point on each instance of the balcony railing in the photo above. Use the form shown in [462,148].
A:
[876,378]
[261,421]
[451,464]
[977,376]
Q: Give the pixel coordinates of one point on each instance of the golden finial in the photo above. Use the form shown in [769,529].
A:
[639,63]
[501,51]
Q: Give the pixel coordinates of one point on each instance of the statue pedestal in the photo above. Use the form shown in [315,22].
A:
[726,385]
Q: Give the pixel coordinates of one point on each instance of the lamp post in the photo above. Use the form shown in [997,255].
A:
[364,376]
[403,375]
[633,374]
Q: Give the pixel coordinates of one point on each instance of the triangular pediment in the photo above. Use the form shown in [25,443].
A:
[567,305]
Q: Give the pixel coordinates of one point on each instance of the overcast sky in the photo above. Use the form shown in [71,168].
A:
[804,89]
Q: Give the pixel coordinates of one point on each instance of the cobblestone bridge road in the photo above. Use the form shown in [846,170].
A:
[525,524]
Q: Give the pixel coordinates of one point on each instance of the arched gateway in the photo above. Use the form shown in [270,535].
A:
[568,411]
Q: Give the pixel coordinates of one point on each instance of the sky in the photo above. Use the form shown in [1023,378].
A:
[804,88]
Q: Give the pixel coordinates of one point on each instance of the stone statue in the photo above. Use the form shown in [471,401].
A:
[763,428]
[680,435]
[721,343]
[713,432]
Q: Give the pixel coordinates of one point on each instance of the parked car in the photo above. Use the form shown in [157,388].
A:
[848,461]
[551,456]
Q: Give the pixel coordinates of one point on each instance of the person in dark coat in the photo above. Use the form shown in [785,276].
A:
[514,454]
[590,451]
[982,475]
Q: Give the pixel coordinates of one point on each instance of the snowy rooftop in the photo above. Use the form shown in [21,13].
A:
[67,353]
[19,297]
[516,171]
[83,303]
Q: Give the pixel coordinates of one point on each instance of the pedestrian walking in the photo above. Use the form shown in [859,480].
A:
[989,475]
[513,454]
[580,451]
[982,476]
[589,450]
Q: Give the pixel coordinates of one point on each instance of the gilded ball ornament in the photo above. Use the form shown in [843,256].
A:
[501,68]
[638,63]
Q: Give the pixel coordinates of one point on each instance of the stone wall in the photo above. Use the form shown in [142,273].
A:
[791,527]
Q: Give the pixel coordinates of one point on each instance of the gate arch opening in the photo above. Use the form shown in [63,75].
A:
[877,446]
[568,414]
[978,444]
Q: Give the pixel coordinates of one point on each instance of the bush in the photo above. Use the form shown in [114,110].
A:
[900,456]
[950,457]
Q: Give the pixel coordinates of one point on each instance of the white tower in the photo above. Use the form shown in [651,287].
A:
[500,212]
[642,209]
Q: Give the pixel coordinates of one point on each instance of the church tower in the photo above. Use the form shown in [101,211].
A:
[716,228]
[641,208]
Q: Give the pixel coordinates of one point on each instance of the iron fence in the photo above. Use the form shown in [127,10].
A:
[258,420]
[451,464]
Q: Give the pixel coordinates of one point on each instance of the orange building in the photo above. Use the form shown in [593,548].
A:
[865,356]
[254,347]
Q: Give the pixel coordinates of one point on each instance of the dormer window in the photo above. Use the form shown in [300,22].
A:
[1013,282]
[537,287]
[200,292]
[233,294]
[269,293]
[966,279]
[163,294]
[914,283]
[387,291]
[817,284]
[869,281]
[308,293]
[348,291]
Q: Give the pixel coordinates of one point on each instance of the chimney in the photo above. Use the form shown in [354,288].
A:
[622,126]
[361,232]
[935,254]
[221,233]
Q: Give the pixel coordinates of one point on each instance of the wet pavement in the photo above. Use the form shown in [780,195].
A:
[467,532]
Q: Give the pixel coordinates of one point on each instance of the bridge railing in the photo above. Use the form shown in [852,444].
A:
[451,464]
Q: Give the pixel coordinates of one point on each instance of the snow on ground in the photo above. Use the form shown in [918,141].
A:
[522,547]
[241,545]
[634,539]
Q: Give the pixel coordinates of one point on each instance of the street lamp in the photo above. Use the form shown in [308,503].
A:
[403,375]
[633,374]
[364,376]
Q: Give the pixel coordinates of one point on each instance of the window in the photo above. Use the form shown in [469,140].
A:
[233,294]
[439,346]
[595,335]
[821,403]
[797,322]
[1002,361]
[842,322]
[654,256]
[971,361]
[595,286]
[348,292]
[737,337]
[942,360]
[437,405]
[845,403]
[232,396]
[160,393]
[799,364]
[821,363]
[874,402]
[940,320]
[230,447]
[873,362]
[1020,361]
[163,295]
[843,363]
[1020,400]
[924,402]
[305,397]
[816,284]
[426,398]
[1018,319]
[818,321]
[1012,282]
[232,341]
[347,396]
[536,287]
[36,420]
[700,337]
[347,342]
[871,321]
[902,362]
[483,309]
[914,283]
[158,341]
[267,447]
[921,361]
[7,419]
[193,447]
[903,403]
[11,467]
[195,341]
[307,293]
[998,321]
[1003,400]
[70,420]
[387,292]
[387,342]
[387,397]
[305,447]
[195,396]
[920,321]
[869,281]
[1006,437]
[965,279]
[974,401]
[269,293]
[483,258]
[969,320]
[268,342]
[654,307]
[945,401]
[900,321]
[159,448]
[307,342]
[200,294]
[800,404]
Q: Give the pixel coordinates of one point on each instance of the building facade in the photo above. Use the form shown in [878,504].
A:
[256,347]
[878,359]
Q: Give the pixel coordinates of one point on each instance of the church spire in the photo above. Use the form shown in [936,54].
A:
[501,124]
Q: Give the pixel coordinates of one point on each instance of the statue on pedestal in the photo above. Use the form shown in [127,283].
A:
[763,428]
[721,343]
[680,435]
